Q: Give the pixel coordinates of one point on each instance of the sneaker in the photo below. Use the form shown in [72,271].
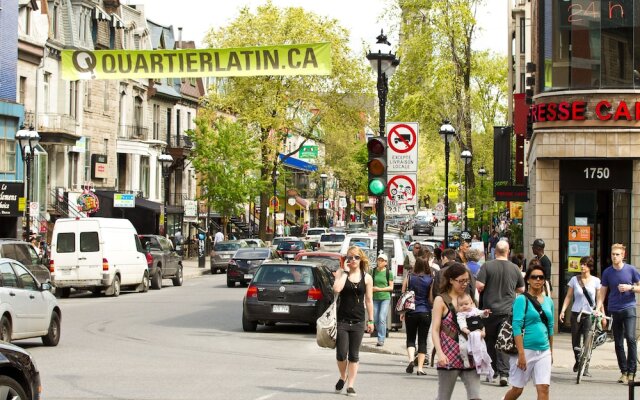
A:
[575,367]
[380,344]
[503,380]
[410,368]
[339,385]
[351,392]
[631,377]
[623,379]
[587,374]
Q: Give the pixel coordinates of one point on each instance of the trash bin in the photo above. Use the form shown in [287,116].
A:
[395,323]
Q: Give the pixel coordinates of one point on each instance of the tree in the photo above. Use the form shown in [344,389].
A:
[313,107]
[222,155]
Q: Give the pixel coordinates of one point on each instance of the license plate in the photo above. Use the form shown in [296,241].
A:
[248,276]
[224,256]
[65,272]
[278,308]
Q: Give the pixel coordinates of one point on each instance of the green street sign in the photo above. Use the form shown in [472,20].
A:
[308,152]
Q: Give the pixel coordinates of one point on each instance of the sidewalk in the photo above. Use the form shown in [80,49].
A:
[603,357]
[190,268]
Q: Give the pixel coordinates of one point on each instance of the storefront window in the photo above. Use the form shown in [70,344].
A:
[590,44]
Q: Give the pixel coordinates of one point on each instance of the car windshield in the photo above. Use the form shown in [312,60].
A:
[291,245]
[252,254]
[226,246]
[332,263]
[284,274]
[316,231]
[360,242]
[332,237]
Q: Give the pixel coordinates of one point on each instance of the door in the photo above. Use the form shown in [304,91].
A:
[16,298]
[171,257]
[38,320]
[90,258]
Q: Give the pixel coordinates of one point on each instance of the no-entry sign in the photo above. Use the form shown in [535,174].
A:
[402,147]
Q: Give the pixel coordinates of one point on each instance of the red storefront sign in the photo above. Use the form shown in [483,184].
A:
[577,111]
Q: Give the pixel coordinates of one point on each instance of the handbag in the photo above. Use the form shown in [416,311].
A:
[407,300]
[327,326]
[505,341]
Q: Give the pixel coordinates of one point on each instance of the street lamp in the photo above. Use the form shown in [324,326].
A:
[27,139]
[165,161]
[466,156]
[447,133]
[276,173]
[384,63]
[323,176]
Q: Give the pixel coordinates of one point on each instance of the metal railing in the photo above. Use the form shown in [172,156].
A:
[177,199]
[134,132]
[61,204]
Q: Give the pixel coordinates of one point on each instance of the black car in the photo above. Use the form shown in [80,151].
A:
[245,262]
[19,376]
[290,247]
[281,291]
[166,263]
[27,255]
[422,226]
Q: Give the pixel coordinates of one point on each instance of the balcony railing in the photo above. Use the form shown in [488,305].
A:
[177,199]
[134,132]
[51,122]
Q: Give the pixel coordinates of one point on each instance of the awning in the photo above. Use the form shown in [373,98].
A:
[296,163]
[302,202]
[116,22]
[100,14]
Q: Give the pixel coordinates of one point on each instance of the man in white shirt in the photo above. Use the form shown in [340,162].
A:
[218,237]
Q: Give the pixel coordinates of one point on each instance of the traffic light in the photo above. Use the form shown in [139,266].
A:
[377,166]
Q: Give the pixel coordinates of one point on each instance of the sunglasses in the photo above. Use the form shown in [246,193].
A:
[536,277]
[349,258]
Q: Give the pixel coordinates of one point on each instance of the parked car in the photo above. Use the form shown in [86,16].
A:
[222,253]
[290,248]
[277,240]
[422,225]
[281,291]
[313,234]
[331,241]
[20,378]
[332,260]
[453,218]
[27,255]
[255,243]
[353,227]
[165,264]
[28,309]
[245,263]
[97,254]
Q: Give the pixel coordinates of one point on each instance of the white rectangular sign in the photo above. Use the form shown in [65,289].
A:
[402,147]
[124,200]
[402,193]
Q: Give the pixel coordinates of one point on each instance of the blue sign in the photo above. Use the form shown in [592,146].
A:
[126,200]
[579,249]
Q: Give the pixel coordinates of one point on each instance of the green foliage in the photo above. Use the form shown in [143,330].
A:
[225,158]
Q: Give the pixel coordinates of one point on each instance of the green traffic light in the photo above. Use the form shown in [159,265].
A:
[377,187]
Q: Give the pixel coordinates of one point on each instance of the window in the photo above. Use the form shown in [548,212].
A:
[9,278]
[23,255]
[156,121]
[522,36]
[46,94]
[66,242]
[28,282]
[7,146]
[22,90]
[137,112]
[53,27]
[145,174]
[73,98]
[25,20]
[168,125]
[188,120]
[192,81]
[87,94]
[89,242]
[87,159]
[178,133]
[73,169]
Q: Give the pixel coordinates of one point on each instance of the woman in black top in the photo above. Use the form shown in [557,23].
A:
[355,287]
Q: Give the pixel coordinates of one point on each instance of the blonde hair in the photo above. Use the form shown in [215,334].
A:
[618,246]
[364,260]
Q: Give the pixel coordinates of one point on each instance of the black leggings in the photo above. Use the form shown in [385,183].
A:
[579,331]
[349,340]
[418,323]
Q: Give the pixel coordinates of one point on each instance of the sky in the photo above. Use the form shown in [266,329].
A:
[361,17]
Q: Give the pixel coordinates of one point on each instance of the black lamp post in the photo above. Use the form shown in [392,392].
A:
[482,172]
[165,161]
[447,133]
[276,173]
[384,63]
[323,176]
[27,139]
[466,156]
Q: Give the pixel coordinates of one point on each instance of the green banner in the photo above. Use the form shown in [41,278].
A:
[295,59]
[308,152]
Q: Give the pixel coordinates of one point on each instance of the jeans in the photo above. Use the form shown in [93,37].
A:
[624,327]
[348,341]
[380,312]
[499,360]
[579,332]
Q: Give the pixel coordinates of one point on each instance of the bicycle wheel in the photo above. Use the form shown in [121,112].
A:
[585,356]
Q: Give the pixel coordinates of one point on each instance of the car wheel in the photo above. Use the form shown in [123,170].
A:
[115,286]
[5,329]
[248,326]
[144,285]
[53,335]
[179,278]
[11,389]
[230,283]
[156,282]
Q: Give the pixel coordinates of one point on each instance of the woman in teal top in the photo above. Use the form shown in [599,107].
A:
[533,335]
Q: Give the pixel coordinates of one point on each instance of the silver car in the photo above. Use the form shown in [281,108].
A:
[223,252]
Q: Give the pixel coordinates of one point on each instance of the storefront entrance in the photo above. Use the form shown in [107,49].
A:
[595,202]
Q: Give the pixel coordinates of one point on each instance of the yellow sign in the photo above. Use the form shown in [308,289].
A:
[574,264]
[294,59]
[515,209]
[453,192]
[471,213]
[22,203]
[361,198]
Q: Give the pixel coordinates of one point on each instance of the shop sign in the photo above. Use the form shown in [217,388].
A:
[10,195]
[604,110]
[191,209]
[511,193]
[310,152]
[580,233]
[124,200]
[99,166]
[596,174]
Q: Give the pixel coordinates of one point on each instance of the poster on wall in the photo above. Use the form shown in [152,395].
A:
[580,233]
[574,264]
[579,249]
[581,221]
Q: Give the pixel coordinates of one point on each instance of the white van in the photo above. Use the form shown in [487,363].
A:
[394,247]
[97,254]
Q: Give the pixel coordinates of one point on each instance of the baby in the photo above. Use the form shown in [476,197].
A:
[469,319]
